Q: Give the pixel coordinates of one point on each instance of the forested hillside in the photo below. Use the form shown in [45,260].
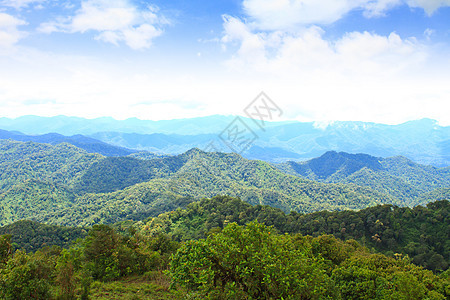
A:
[421,233]
[89,144]
[62,164]
[396,176]
[33,199]
[65,185]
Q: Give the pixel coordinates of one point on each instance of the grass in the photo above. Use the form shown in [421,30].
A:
[153,285]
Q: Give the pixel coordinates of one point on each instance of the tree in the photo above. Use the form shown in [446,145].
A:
[100,252]
[6,249]
[26,276]
[251,262]
[66,269]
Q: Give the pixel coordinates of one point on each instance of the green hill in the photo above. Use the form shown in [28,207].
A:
[89,144]
[31,199]
[62,164]
[196,174]
[396,176]
[67,186]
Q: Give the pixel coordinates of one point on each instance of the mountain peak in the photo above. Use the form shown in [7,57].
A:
[332,162]
[194,152]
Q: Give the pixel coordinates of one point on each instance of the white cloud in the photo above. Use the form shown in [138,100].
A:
[251,46]
[430,6]
[379,7]
[115,21]
[359,76]
[9,34]
[289,14]
[309,79]
[285,14]
[307,50]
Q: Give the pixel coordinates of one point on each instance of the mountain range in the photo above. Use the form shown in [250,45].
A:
[89,144]
[65,185]
[423,141]
[410,182]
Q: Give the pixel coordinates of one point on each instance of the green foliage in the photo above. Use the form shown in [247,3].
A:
[62,164]
[32,199]
[6,249]
[109,256]
[27,276]
[421,233]
[236,262]
[66,280]
[31,236]
[253,262]
[100,252]
[65,185]
[116,173]
[104,255]
[374,276]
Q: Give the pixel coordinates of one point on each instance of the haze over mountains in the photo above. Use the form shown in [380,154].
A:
[423,141]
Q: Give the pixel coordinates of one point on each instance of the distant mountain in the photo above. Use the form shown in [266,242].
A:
[397,176]
[177,144]
[66,185]
[74,125]
[89,144]
[423,141]
[155,142]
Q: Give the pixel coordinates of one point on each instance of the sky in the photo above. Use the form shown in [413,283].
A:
[385,61]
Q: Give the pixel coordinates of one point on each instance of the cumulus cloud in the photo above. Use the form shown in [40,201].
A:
[360,75]
[285,14]
[288,14]
[308,51]
[115,21]
[9,34]
[430,6]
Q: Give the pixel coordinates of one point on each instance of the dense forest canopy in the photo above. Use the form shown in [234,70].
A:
[65,185]
[421,233]
[236,262]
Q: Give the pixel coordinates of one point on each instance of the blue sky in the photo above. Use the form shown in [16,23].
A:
[320,60]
